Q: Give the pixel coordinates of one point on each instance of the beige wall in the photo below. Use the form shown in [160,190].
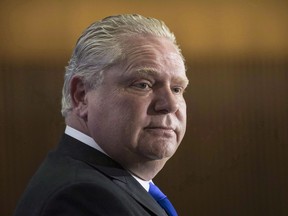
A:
[234,158]
[33,30]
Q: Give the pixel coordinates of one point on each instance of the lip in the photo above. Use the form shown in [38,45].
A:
[160,130]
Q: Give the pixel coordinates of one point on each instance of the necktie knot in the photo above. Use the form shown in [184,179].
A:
[156,193]
[162,199]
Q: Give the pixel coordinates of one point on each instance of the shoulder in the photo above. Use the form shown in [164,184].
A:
[74,189]
[87,198]
[76,185]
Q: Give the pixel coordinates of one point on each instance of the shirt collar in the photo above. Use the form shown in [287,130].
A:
[83,138]
[145,184]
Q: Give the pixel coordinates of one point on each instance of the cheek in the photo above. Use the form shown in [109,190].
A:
[129,112]
[132,105]
[134,113]
[182,118]
[182,114]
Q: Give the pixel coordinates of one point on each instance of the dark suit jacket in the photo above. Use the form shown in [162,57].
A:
[76,179]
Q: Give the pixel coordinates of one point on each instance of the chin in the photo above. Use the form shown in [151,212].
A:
[158,149]
[163,154]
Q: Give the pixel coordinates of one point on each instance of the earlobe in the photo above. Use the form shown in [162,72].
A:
[79,97]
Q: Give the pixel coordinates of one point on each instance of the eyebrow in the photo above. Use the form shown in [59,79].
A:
[146,71]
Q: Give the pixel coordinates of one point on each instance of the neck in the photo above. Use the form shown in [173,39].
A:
[77,123]
[145,170]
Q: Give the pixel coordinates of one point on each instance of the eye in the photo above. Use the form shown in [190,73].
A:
[142,85]
[178,90]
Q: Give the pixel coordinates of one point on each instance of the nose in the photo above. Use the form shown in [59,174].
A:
[166,101]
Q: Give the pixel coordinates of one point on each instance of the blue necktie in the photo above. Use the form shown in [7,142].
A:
[162,199]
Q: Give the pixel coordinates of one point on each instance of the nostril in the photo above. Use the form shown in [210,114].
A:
[166,104]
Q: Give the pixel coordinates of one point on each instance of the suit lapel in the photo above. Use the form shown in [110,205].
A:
[113,170]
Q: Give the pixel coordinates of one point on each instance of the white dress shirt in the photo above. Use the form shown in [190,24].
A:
[91,142]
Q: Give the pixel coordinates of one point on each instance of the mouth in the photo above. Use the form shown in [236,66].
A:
[160,130]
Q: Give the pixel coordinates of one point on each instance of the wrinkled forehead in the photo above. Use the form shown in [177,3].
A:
[151,51]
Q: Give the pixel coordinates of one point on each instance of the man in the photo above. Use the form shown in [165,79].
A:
[126,116]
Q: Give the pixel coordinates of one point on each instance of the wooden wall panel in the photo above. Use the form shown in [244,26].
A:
[31,123]
[233,160]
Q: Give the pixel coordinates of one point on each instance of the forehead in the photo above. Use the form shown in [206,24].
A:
[156,53]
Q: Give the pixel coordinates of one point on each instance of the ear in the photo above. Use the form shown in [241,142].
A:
[78,94]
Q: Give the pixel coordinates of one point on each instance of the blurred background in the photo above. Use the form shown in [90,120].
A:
[234,158]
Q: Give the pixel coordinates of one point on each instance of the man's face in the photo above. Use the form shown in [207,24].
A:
[139,112]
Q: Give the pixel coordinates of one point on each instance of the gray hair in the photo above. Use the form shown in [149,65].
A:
[99,47]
